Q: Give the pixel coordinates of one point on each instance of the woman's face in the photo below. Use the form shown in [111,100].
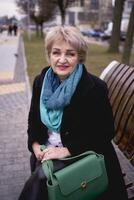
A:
[63,59]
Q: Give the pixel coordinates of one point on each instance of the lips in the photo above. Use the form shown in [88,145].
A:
[62,67]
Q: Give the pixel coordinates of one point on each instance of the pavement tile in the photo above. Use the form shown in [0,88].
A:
[8,56]
[14,107]
[6,76]
[12,88]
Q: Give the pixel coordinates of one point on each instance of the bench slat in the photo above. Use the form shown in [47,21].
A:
[109,79]
[128,131]
[117,80]
[123,115]
[129,151]
[120,81]
[120,97]
[119,84]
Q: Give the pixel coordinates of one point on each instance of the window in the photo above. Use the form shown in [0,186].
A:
[82,3]
[94,4]
[78,3]
[130,4]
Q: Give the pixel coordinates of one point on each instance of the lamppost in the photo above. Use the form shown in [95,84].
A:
[37,13]
[37,10]
[28,19]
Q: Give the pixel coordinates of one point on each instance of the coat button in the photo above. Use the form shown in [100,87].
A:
[66,133]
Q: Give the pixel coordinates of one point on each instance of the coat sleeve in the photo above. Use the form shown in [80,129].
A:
[33,115]
[37,131]
[105,115]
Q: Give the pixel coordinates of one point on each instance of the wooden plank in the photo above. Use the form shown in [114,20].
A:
[110,71]
[129,151]
[118,82]
[124,114]
[121,80]
[121,95]
[113,76]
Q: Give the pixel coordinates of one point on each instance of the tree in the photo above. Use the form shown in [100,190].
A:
[39,11]
[62,5]
[45,12]
[129,39]
[117,17]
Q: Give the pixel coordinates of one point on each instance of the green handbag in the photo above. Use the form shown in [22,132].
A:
[84,179]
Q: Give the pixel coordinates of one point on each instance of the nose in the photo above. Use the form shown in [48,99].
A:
[62,59]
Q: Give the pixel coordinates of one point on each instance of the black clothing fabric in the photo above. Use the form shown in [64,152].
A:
[35,188]
[87,124]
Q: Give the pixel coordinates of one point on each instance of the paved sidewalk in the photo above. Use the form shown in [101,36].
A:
[8,54]
[14,105]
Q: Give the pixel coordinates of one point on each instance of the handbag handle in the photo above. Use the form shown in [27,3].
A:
[47,165]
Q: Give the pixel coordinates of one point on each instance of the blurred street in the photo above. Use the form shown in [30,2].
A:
[14,104]
[105,43]
[15,97]
[8,53]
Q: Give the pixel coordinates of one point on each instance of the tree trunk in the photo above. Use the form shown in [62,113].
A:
[37,29]
[129,39]
[115,37]
[63,4]
[63,18]
[41,30]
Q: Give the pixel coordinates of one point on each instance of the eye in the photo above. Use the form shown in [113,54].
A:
[70,54]
[56,53]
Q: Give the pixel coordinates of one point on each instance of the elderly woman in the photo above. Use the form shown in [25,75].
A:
[70,113]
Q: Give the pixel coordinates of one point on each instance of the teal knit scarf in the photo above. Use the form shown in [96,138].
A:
[55,95]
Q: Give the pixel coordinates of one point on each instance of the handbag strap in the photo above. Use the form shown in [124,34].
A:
[47,165]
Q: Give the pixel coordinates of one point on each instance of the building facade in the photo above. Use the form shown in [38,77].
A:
[93,12]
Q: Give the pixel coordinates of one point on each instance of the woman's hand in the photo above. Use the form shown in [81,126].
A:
[37,151]
[55,153]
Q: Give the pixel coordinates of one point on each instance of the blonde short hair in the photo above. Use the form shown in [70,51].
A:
[69,34]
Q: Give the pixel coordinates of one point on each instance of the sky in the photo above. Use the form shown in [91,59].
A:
[9,8]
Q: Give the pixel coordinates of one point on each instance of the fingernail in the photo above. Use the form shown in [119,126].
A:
[42,161]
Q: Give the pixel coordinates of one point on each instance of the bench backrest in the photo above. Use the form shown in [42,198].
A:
[120,81]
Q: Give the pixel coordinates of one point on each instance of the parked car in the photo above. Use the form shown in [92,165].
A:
[86,32]
[123,36]
[96,33]
[107,35]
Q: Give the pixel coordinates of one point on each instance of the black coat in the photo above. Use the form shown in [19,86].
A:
[87,124]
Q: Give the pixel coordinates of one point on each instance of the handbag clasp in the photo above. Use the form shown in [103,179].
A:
[83,184]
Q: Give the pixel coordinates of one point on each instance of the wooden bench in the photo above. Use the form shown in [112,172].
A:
[120,81]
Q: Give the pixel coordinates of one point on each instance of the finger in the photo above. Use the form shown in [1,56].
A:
[45,158]
[45,150]
[39,157]
[49,150]
[46,155]
[49,156]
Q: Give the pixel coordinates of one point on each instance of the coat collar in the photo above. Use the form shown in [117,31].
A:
[86,82]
